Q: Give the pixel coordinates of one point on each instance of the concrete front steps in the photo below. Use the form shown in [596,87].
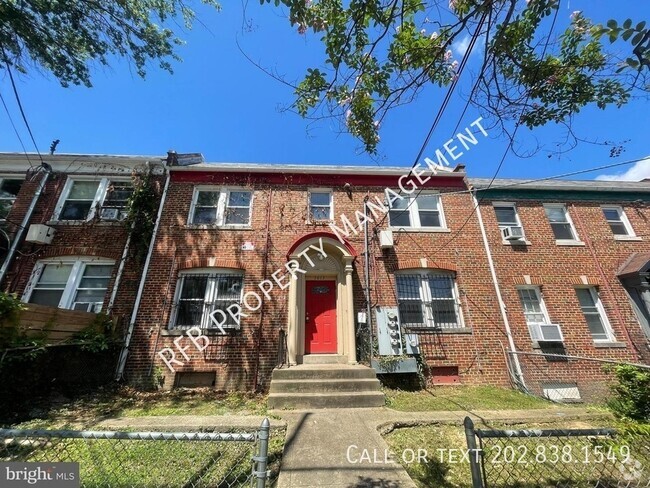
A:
[325,385]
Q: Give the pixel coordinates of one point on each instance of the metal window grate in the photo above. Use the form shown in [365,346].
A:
[428,300]
[202,294]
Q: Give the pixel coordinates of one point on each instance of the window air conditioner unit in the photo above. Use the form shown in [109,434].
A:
[513,233]
[109,213]
[40,234]
[386,239]
[548,333]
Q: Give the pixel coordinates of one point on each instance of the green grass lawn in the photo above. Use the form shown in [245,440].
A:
[463,398]
[439,467]
[87,410]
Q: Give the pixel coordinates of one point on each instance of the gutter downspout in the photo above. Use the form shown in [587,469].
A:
[127,342]
[120,270]
[367,277]
[24,223]
[502,305]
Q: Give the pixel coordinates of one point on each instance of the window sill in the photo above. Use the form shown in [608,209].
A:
[217,227]
[419,229]
[434,330]
[207,332]
[319,223]
[107,223]
[568,242]
[612,344]
[627,238]
[516,243]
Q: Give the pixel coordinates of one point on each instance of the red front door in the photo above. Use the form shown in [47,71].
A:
[320,317]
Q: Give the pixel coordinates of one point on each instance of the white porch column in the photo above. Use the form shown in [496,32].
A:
[292,328]
[351,335]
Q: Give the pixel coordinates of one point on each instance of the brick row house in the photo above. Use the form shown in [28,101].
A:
[261,262]
[65,243]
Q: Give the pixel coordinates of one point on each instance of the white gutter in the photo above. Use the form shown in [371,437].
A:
[23,225]
[125,350]
[502,305]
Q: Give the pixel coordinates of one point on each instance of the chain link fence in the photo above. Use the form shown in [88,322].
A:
[560,377]
[147,459]
[575,458]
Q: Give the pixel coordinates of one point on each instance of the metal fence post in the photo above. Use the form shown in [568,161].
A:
[262,457]
[470,437]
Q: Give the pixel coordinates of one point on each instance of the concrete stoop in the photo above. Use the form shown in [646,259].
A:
[329,385]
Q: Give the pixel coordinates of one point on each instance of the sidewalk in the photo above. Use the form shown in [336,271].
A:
[343,448]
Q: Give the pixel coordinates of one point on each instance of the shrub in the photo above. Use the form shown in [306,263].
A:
[631,393]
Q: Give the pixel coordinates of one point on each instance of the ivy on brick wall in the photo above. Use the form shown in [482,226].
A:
[142,208]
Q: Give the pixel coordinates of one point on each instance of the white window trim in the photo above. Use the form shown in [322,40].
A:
[564,242]
[518,219]
[320,190]
[425,296]
[414,216]
[603,315]
[98,199]
[631,235]
[209,289]
[542,305]
[10,177]
[224,192]
[76,273]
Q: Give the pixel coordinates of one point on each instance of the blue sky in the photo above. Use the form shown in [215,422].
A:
[220,104]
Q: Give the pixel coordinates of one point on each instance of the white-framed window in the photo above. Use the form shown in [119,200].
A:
[423,211]
[561,222]
[82,198]
[618,221]
[74,283]
[221,207]
[539,325]
[321,205]
[428,299]
[9,188]
[507,216]
[199,292]
[592,308]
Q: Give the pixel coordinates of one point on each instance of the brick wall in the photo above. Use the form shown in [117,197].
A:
[558,270]
[246,359]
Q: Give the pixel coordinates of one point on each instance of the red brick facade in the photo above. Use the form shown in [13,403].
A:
[244,359]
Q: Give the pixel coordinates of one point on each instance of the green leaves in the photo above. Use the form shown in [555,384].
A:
[66,38]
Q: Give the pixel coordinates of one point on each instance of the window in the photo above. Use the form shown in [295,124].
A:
[79,284]
[417,211]
[507,216]
[618,222]
[560,222]
[539,324]
[200,294]
[221,207]
[594,313]
[116,199]
[428,300]
[8,192]
[320,205]
[81,199]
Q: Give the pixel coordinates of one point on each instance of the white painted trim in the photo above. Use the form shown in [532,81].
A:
[595,296]
[631,235]
[224,193]
[566,242]
[320,190]
[513,205]
[414,216]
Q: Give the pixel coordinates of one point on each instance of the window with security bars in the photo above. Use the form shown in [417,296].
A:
[594,313]
[199,296]
[428,300]
[221,207]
